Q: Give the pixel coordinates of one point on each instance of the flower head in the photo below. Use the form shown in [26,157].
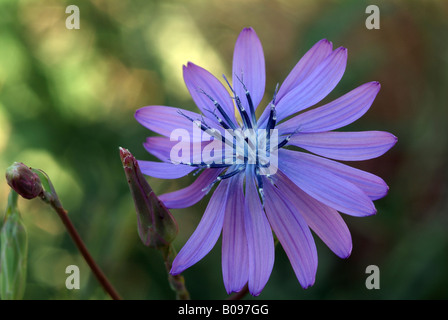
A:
[262,184]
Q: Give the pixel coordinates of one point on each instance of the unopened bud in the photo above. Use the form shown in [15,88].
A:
[23,180]
[156,226]
[13,253]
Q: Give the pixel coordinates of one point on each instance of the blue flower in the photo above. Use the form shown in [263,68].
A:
[304,191]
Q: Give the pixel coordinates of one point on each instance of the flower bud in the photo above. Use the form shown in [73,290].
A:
[13,253]
[23,180]
[156,226]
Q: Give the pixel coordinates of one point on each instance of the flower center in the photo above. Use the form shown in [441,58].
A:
[245,147]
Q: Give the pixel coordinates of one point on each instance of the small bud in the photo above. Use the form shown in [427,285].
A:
[23,180]
[13,253]
[156,226]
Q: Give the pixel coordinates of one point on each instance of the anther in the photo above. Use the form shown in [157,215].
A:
[220,109]
[249,101]
[224,176]
[260,184]
[221,122]
[275,93]
[246,120]
[286,140]
[272,118]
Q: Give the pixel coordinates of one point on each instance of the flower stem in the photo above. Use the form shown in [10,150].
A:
[177,282]
[83,249]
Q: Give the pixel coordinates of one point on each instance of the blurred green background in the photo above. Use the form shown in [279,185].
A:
[67,99]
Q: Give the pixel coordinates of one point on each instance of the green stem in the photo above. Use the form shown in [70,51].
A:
[50,196]
[12,203]
[177,282]
[83,249]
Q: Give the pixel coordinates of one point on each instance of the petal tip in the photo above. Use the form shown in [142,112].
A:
[383,194]
[255,293]
[345,256]
[309,284]
[190,65]
[248,29]
[386,191]
[173,272]
[138,114]
[375,85]
[348,253]
[176,270]
[395,139]
[370,212]
[248,33]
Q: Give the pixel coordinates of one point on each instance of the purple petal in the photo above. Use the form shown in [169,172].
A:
[305,66]
[164,120]
[259,239]
[249,66]
[235,260]
[373,186]
[190,195]
[350,146]
[323,185]
[206,234]
[161,147]
[336,114]
[293,234]
[326,222]
[315,87]
[199,80]
[164,170]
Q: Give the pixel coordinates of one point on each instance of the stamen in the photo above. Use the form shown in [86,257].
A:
[273,114]
[271,180]
[204,165]
[220,109]
[196,172]
[201,125]
[265,165]
[261,196]
[226,127]
[207,129]
[272,119]
[221,122]
[243,112]
[275,93]
[260,184]
[286,140]
[231,174]
[228,83]
[183,114]
[224,176]
[250,102]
